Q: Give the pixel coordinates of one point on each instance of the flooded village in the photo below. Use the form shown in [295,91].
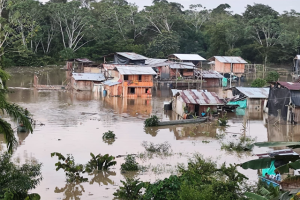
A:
[75,104]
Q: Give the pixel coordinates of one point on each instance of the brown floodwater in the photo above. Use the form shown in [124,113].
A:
[75,121]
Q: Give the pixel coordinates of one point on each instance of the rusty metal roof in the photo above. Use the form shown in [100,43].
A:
[229,59]
[132,55]
[191,57]
[181,65]
[88,76]
[135,70]
[209,74]
[290,85]
[153,61]
[255,93]
[200,97]
[83,60]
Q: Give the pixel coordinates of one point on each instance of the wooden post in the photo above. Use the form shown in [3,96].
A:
[230,74]
[201,76]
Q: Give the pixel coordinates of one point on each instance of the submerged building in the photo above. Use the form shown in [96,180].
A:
[86,81]
[284,101]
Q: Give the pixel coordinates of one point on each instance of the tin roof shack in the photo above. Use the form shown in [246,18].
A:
[86,81]
[228,64]
[126,58]
[194,58]
[113,88]
[210,78]
[137,81]
[195,101]
[284,101]
[78,63]
[256,98]
[173,70]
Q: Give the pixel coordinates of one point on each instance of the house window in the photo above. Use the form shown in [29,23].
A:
[125,77]
[140,77]
[132,90]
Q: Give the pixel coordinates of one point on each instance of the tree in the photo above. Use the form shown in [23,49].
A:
[16,112]
[258,83]
[16,181]
[196,16]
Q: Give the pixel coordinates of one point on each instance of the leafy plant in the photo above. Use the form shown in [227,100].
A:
[130,190]
[130,164]
[258,83]
[152,121]
[73,171]
[272,76]
[222,121]
[244,144]
[109,137]
[100,162]
[16,181]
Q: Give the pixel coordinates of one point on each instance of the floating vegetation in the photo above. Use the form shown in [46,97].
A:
[206,141]
[109,137]
[152,121]
[164,148]
[244,144]
[130,164]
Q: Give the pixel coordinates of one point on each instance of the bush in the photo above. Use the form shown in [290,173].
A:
[244,144]
[130,164]
[16,181]
[152,121]
[130,190]
[272,76]
[258,83]
[100,162]
[222,121]
[109,137]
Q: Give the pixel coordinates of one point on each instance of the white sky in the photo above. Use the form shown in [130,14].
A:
[237,6]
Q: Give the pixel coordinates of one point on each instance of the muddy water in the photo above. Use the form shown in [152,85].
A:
[74,123]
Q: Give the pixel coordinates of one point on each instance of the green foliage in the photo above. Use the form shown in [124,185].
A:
[152,121]
[109,137]
[222,121]
[16,181]
[100,162]
[73,171]
[163,189]
[131,189]
[164,148]
[130,164]
[272,76]
[258,83]
[66,54]
[244,144]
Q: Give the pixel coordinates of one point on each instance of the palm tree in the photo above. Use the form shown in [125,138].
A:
[15,112]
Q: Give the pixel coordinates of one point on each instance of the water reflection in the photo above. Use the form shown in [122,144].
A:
[102,176]
[22,136]
[72,191]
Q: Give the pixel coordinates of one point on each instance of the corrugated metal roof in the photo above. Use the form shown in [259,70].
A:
[153,61]
[83,60]
[199,97]
[88,76]
[181,65]
[134,69]
[192,57]
[208,74]
[111,82]
[132,56]
[229,59]
[255,93]
[290,85]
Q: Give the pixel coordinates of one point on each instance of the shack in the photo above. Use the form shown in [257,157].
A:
[86,81]
[284,101]
[210,78]
[195,101]
[228,64]
[78,63]
[194,58]
[137,81]
[248,97]
[172,70]
[126,58]
[113,88]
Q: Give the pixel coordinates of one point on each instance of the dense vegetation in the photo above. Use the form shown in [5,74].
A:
[38,34]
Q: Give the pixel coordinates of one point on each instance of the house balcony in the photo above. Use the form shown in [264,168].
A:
[137,84]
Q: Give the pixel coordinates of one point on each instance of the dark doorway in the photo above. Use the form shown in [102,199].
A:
[125,77]
[132,90]
[197,107]
[140,77]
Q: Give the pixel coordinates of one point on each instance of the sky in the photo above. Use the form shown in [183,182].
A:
[237,6]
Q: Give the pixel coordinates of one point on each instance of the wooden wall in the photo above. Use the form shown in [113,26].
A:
[94,70]
[225,67]
[82,85]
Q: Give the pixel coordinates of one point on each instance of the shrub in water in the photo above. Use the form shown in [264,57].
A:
[130,164]
[152,121]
